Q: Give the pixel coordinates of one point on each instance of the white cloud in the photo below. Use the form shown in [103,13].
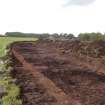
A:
[79,2]
[50,16]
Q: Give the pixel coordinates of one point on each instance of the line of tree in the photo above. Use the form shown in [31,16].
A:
[40,36]
[20,34]
[81,36]
[91,36]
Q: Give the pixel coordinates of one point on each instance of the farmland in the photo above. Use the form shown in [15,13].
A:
[60,72]
[4,41]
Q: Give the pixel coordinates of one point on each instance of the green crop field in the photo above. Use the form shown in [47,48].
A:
[4,41]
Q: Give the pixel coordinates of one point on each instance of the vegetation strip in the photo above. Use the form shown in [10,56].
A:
[9,91]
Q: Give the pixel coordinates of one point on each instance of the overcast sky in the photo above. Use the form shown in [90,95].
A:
[50,16]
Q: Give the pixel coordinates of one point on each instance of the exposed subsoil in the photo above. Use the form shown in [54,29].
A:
[60,73]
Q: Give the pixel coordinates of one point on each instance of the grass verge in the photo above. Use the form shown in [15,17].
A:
[12,91]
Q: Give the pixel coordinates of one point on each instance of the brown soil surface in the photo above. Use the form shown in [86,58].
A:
[60,73]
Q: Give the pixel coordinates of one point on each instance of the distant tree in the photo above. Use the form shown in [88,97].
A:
[91,36]
[20,34]
[70,36]
[84,36]
[67,36]
[55,35]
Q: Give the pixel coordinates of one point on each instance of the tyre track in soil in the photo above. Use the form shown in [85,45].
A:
[52,89]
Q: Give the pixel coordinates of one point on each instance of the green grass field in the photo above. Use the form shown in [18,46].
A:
[4,41]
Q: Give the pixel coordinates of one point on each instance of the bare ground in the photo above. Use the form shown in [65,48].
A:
[60,73]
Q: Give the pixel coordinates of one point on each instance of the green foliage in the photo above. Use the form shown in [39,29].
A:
[91,36]
[8,100]
[67,36]
[11,89]
[39,36]
[12,95]
[25,35]
[19,34]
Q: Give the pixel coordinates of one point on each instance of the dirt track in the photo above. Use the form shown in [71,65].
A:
[60,73]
